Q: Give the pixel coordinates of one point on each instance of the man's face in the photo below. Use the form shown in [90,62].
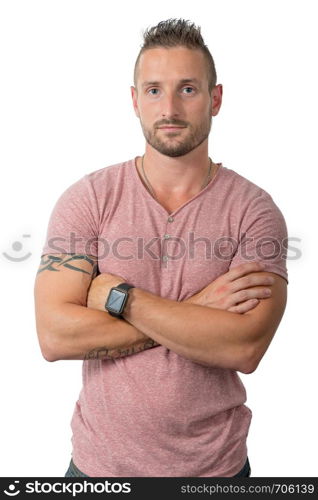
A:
[172,89]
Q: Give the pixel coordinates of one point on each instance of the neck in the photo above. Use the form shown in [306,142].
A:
[178,176]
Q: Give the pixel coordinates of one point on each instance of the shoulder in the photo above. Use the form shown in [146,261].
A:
[98,182]
[240,185]
[109,172]
[244,193]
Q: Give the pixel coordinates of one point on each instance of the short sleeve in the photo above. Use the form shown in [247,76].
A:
[263,236]
[74,222]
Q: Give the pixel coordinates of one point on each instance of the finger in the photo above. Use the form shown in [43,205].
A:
[250,293]
[251,280]
[244,306]
[243,269]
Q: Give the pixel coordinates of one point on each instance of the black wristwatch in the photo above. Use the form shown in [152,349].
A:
[117,299]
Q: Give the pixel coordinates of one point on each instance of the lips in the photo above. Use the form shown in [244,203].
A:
[173,128]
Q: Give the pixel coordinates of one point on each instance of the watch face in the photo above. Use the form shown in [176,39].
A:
[116,301]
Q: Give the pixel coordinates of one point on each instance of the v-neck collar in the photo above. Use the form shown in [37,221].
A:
[156,203]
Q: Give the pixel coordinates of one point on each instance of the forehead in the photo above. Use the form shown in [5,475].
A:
[175,63]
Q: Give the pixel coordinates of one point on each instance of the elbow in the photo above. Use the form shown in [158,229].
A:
[49,327]
[250,361]
[244,363]
[49,355]
[248,368]
[47,348]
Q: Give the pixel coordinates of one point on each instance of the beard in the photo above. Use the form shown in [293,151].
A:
[173,144]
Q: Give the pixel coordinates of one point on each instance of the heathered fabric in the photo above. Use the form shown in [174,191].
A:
[156,413]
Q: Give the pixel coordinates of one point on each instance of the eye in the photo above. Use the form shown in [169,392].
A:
[188,88]
[150,91]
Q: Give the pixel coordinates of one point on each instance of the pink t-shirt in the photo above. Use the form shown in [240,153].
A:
[156,413]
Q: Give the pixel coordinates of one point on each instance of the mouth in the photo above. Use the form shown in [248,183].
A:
[170,128]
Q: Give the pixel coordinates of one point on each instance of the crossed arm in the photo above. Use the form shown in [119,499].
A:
[209,328]
[229,324]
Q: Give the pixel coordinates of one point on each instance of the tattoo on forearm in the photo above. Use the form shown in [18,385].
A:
[103,353]
[52,262]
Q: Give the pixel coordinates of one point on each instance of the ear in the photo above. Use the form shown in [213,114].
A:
[134,100]
[216,97]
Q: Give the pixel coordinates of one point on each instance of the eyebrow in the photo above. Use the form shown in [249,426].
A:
[184,80]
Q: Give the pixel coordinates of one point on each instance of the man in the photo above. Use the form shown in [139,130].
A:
[197,254]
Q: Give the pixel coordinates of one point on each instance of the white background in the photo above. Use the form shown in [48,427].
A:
[66,71]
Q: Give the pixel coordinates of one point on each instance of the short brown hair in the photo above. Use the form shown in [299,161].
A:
[177,33]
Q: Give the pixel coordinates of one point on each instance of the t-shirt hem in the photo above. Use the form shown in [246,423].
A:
[91,472]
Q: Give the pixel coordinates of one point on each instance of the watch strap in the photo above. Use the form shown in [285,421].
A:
[125,286]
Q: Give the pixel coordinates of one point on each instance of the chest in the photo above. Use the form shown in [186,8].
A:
[172,253]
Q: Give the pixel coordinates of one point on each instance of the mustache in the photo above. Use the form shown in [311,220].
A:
[171,123]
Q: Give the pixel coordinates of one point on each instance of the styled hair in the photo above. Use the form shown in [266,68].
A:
[177,33]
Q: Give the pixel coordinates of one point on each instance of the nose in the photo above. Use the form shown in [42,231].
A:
[170,106]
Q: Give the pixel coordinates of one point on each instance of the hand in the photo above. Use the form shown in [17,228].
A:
[99,290]
[238,290]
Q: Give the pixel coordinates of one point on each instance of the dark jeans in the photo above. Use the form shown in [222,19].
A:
[246,471]
[73,471]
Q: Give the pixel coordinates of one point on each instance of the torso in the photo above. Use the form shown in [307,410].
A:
[158,413]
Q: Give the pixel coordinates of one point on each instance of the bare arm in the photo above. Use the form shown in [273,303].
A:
[66,328]
[206,335]
[238,291]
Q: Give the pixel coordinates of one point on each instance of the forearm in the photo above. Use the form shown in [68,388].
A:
[78,332]
[208,336]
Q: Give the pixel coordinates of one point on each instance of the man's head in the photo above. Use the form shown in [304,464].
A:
[175,84]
